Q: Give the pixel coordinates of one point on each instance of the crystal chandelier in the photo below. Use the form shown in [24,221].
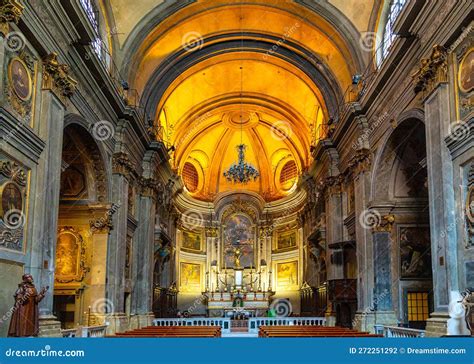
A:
[241,172]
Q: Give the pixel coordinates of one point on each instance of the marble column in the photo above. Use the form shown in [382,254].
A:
[364,246]
[143,255]
[334,229]
[116,252]
[56,89]
[47,200]
[434,89]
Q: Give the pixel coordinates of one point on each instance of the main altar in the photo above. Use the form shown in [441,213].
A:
[238,293]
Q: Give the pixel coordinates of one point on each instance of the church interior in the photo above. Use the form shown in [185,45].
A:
[238,168]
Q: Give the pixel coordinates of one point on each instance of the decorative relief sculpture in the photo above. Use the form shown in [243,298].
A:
[432,71]
[12,205]
[470,206]
[10,11]
[56,77]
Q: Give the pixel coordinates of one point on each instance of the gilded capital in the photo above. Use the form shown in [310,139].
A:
[432,71]
[56,77]
[212,232]
[10,11]
[385,224]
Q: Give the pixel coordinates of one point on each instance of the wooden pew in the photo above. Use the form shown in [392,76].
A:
[310,331]
[173,331]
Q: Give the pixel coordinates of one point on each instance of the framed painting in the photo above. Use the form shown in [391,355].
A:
[286,240]
[239,241]
[466,72]
[70,256]
[192,241]
[415,252]
[190,277]
[19,78]
[287,275]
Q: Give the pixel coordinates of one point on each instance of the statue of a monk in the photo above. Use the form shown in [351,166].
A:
[24,321]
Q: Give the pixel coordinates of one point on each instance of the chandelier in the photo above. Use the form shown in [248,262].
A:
[241,172]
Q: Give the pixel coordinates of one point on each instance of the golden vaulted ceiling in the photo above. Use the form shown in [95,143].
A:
[215,74]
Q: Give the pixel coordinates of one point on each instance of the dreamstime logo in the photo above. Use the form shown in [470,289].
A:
[102,305]
[369,219]
[191,219]
[281,130]
[192,41]
[15,41]
[459,130]
[103,130]
[14,219]
[282,307]
[367,41]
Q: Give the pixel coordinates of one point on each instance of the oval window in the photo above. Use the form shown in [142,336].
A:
[190,177]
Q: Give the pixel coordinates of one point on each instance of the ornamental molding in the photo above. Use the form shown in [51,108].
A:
[13,171]
[10,11]
[432,72]
[56,77]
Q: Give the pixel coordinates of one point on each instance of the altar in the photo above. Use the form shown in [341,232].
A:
[238,305]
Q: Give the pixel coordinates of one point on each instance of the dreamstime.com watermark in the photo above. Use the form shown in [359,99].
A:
[47,352]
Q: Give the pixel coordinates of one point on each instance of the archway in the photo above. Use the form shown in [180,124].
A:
[400,186]
[83,225]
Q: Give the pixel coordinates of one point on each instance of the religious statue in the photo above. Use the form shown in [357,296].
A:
[237,255]
[24,321]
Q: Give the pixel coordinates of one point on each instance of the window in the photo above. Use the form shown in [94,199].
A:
[389,36]
[92,14]
[418,308]
[190,177]
[288,172]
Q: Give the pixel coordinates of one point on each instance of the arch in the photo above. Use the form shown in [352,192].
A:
[328,12]
[97,152]
[290,52]
[383,175]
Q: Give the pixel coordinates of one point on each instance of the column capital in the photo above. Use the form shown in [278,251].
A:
[10,11]
[57,79]
[211,232]
[384,224]
[121,164]
[432,71]
[360,162]
[103,224]
[149,187]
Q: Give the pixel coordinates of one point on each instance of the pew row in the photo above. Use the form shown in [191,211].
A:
[173,331]
[311,331]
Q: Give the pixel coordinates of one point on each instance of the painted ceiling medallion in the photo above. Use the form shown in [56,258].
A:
[241,172]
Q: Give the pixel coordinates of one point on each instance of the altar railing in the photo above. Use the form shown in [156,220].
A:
[395,331]
[224,323]
[256,322]
[85,331]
